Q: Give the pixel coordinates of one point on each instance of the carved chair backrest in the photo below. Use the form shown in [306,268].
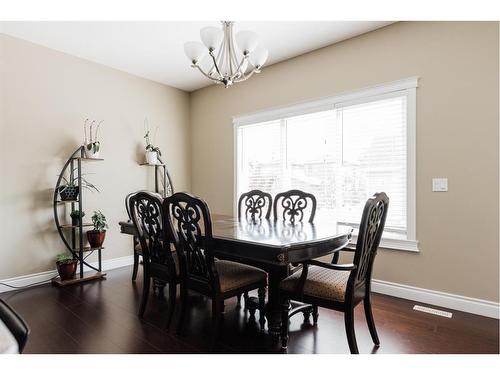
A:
[294,206]
[189,224]
[146,212]
[370,233]
[127,199]
[255,205]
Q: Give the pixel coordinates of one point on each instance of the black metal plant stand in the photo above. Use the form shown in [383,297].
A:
[167,188]
[72,234]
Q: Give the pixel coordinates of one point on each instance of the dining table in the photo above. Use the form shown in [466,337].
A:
[272,245]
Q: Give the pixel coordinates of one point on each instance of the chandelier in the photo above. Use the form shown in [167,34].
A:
[223,58]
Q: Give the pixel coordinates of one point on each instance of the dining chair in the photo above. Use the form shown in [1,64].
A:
[159,262]
[189,223]
[293,207]
[341,287]
[253,206]
[136,244]
[15,324]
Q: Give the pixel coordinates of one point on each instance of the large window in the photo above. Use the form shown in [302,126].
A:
[340,149]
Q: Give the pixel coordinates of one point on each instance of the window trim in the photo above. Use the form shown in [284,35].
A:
[406,86]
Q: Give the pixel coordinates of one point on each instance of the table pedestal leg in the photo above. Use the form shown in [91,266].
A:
[273,310]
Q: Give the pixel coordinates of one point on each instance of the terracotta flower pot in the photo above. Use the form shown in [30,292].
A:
[96,238]
[66,270]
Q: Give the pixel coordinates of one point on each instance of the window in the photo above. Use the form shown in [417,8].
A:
[342,150]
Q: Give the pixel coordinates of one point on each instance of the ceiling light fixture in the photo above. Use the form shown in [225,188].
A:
[227,62]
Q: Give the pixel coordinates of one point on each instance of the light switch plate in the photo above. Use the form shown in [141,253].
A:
[439,184]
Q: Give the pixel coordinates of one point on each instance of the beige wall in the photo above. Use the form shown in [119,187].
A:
[45,96]
[457,137]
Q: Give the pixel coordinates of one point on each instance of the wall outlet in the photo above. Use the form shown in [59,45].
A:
[439,184]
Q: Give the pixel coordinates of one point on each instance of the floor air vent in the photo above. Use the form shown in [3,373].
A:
[429,310]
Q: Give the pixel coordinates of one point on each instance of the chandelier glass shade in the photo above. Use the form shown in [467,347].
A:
[225,58]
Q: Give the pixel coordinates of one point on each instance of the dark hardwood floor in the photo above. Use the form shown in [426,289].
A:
[101,317]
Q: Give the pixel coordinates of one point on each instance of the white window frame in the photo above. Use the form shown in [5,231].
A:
[406,87]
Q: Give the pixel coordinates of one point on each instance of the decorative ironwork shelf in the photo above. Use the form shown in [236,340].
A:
[161,175]
[87,159]
[152,165]
[79,278]
[73,238]
[76,226]
[86,249]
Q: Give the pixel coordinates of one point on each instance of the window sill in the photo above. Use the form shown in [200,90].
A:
[393,244]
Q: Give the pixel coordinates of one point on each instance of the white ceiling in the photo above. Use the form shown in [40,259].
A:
[155,50]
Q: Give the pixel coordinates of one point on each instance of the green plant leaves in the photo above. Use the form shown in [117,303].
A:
[73,181]
[77,214]
[64,258]
[94,146]
[99,221]
[152,148]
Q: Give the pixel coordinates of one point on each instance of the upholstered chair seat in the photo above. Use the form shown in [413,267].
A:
[234,275]
[340,287]
[320,283]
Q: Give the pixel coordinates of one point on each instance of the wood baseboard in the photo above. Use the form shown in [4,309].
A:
[47,276]
[437,298]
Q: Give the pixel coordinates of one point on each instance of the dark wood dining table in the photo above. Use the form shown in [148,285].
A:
[273,246]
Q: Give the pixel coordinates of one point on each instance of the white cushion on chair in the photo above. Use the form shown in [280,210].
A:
[320,283]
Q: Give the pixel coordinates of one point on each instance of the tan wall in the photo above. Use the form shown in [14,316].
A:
[45,96]
[457,137]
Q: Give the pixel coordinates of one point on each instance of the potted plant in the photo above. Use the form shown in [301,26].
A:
[76,216]
[152,151]
[96,236]
[66,266]
[92,146]
[69,191]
